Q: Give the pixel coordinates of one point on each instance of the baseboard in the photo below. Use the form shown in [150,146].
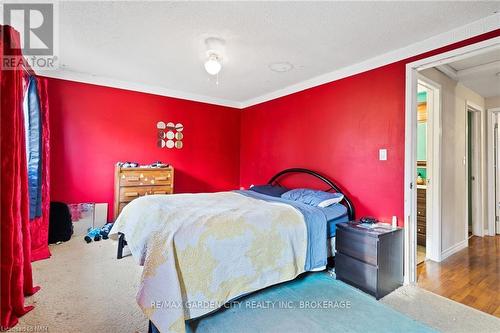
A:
[454,249]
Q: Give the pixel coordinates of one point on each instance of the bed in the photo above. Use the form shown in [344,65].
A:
[200,251]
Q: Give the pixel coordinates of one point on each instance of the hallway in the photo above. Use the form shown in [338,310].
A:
[470,276]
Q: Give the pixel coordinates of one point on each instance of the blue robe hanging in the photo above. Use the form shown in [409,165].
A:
[34,148]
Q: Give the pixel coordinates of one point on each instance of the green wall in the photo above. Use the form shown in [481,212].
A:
[422,138]
[422,142]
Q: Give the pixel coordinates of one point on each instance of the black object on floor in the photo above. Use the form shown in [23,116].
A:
[121,244]
[105,230]
[60,225]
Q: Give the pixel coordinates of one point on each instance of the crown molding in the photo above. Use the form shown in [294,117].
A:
[475,28]
[139,87]
[467,31]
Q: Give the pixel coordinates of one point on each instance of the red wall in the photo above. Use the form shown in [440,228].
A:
[337,129]
[92,127]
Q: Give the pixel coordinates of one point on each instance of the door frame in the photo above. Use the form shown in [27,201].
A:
[478,141]
[491,156]
[433,191]
[410,173]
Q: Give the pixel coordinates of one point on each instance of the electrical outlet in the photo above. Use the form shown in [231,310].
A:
[382,154]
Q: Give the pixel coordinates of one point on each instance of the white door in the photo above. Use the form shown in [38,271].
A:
[497,174]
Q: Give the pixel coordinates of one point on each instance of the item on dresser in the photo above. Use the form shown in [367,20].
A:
[368,220]
[370,259]
[132,183]
[158,164]
[420,180]
[128,164]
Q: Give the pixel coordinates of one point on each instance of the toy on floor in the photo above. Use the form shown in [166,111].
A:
[105,230]
[93,234]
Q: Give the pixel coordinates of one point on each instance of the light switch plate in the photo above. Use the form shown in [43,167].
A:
[382,154]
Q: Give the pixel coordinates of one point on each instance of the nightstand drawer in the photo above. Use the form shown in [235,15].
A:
[356,272]
[370,259]
[357,246]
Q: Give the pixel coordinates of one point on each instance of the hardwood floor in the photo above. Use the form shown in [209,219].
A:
[471,276]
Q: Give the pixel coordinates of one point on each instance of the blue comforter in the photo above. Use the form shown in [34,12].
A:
[316,222]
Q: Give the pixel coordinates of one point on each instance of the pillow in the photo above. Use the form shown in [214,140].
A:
[272,190]
[312,197]
[334,211]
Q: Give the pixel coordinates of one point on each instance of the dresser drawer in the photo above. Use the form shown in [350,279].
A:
[421,227]
[145,178]
[121,206]
[130,193]
[356,272]
[421,210]
[357,246]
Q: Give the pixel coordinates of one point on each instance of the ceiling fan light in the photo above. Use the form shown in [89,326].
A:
[213,65]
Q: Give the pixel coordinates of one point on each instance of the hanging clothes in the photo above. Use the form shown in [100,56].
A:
[40,225]
[34,147]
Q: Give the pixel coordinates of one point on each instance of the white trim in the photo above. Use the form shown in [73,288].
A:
[433,222]
[475,28]
[410,176]
[409,188]
[454,249]
[140,87]
[492,66]
[481,26]
[490,123]
[479,142]
[447,70]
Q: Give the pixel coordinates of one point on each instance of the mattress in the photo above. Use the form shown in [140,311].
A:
[335,214]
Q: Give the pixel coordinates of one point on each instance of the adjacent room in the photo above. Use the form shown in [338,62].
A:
[457,116]
[254,166]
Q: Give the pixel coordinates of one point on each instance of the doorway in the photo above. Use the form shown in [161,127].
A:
[494,172]
[410,189]
[428,147]
[474,174]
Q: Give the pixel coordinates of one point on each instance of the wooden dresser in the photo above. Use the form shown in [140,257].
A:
[369,259]
[132,183]
[421,216]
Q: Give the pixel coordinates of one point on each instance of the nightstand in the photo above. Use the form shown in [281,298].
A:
[370,259]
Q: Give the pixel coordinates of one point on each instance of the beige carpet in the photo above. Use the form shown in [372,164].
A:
[85,289]
[439,312]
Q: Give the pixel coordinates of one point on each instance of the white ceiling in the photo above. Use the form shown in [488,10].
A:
[161,44]
[481,73]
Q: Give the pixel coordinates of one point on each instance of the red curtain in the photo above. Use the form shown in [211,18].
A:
[16,277]
[40,225]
